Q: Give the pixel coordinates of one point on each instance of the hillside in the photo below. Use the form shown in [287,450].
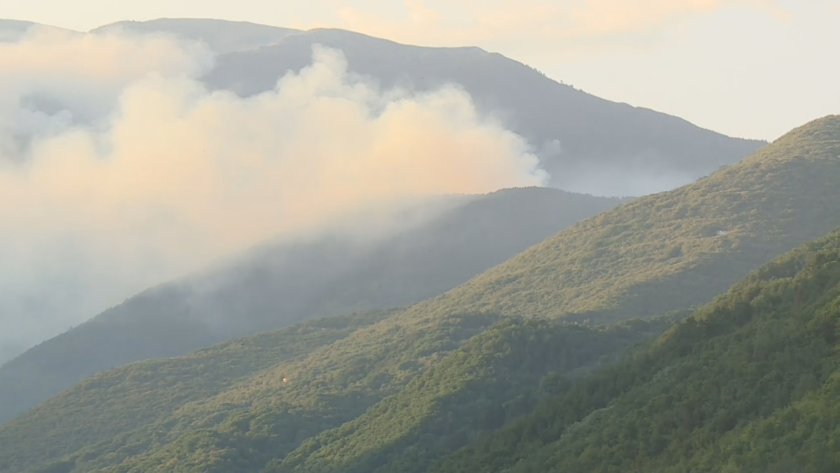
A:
[278,285]
[749,383]
[587,144]
[678,248]
[306,414]
[177,381]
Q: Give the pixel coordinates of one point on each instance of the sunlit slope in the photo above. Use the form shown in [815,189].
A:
[677,248]
[749,383]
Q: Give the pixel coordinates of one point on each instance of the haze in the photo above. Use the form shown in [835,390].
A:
[717,63]
[121,174]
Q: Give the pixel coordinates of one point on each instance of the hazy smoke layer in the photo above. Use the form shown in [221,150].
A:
[118,170]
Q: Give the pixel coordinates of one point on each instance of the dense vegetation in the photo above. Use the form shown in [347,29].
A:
[275,286]
[495,377]
[749,383]
[137,394]
[397,394]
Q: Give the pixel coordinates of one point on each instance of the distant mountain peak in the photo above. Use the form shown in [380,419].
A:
[222,36]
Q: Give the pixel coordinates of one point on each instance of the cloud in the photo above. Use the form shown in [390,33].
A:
[53,79]
[135,174]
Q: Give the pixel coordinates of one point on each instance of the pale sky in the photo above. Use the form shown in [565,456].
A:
[750,68]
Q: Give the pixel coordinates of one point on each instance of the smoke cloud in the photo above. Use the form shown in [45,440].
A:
[119,170]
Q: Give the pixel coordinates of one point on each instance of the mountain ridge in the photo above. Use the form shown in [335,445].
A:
[586,143]
[222,36]
[630,148]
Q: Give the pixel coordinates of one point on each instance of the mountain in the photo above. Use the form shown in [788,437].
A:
[219,35]
[587,144]
[12,30]
[748,383]
[278,285]
[674,249]
[401,393]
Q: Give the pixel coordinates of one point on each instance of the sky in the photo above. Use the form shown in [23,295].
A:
[746,68]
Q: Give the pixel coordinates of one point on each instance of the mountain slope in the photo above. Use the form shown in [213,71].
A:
[587,144]
[219,35]
[749,383]
[262,420]
[11,30]
[678,248]
[282,284]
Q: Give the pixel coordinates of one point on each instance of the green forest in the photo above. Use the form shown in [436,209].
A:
[747,383]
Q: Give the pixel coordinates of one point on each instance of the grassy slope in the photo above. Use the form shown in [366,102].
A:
[768,204]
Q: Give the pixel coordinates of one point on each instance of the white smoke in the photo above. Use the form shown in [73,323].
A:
[119,170]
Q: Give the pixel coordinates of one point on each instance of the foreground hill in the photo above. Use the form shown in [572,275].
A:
[400,393]
[587,144]
[279,285]
[749,383]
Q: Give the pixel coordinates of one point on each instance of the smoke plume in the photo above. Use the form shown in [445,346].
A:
[120,170]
